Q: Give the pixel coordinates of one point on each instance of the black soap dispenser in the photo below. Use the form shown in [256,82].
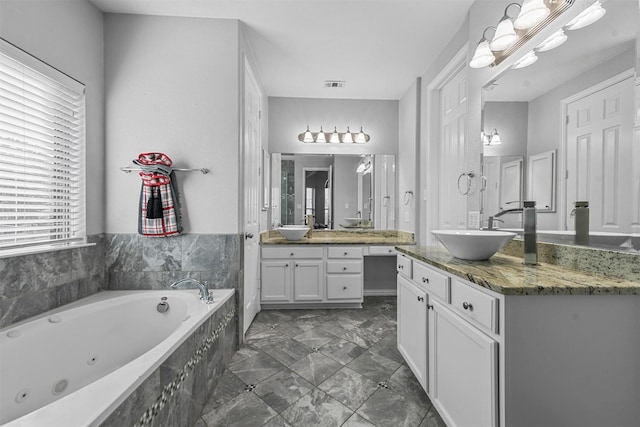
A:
[581,212]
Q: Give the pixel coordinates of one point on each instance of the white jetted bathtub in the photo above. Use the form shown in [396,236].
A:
[74,365]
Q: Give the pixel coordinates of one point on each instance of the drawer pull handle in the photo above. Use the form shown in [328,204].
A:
[429,306]
[425,280]
[420,299]
[467,306]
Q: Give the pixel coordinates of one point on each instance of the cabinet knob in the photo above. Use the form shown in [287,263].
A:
[390,250]
[346,253]
[344,288]
[291,254]
[467,306]
[420,299]
[344,268]
[248,235]
[425,280]
[286,265]
[401,267]
[297,265]
[429,306]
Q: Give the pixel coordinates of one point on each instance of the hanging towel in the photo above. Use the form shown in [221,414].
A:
[159,206]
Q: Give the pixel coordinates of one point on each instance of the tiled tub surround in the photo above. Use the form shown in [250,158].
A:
[342,237]
[176,392]
[136,262]
[33,284]
[507,275]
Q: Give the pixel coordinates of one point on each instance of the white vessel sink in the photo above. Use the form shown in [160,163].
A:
[352,221]
[293,232]
[473,245]
[596,238]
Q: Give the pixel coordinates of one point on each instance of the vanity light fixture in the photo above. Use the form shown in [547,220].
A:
[526,60]
[532,12]
[587,17]
[483,55]
[364,166]
[335,137]
[505,35]
[512,33]
[493,139]
[553,41]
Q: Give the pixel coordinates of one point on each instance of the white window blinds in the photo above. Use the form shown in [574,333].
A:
[41,153]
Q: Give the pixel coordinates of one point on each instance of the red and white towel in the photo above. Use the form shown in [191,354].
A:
[158,181]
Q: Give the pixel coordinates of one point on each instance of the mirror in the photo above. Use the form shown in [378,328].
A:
[337,189]
[569,118]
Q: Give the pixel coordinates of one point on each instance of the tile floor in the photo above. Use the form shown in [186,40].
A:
[318,368]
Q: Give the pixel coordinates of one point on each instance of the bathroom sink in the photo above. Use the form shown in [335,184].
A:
[596,238]
[293,232]
[473,245]
[352,221]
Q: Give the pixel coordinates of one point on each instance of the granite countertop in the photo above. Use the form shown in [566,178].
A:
[507,275]
[342,237]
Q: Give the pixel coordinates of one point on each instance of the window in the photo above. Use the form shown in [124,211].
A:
[42,140]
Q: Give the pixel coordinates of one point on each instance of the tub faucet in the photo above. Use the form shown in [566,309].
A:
[205,295]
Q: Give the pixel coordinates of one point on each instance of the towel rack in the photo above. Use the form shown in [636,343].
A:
[129,169]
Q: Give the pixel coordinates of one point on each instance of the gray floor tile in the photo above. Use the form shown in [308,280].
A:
[341,350]
[277,421]
[287,351]
[357,421]
[388,347]
[317,409]
[228,387]
[243,353]
[263,338]
[316,337]
[282,389]
[256,368]
[404,382]
[388,409]
[375,367]
[245,410]
[432,419]
[315,368]
[349,388]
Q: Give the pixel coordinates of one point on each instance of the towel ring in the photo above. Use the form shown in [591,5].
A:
[469,176]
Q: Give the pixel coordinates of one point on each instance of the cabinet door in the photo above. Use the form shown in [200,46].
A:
[308,280]
[412,328]
[276,281]
[463,367]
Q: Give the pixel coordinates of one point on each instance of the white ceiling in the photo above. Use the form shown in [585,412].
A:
[378,46]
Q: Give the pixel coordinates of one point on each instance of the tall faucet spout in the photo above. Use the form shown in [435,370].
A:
[205,295]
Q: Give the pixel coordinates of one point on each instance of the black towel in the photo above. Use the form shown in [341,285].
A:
[154,204]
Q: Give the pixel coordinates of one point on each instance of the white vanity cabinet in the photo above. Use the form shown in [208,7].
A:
[317,275]
[447,349]
[291,274]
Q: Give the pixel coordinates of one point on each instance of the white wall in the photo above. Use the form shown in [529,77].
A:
[288,117]
[345,187]
[69,36]
[172,85]
[407,155]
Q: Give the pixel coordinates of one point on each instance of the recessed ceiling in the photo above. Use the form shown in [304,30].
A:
[379,47]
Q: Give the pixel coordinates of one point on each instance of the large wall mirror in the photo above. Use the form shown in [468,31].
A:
[566,129]
[341,191]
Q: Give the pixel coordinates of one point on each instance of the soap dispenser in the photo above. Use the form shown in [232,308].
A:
[581,212]
[529,225]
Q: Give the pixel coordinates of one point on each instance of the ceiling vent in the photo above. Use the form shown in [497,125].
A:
[334,83]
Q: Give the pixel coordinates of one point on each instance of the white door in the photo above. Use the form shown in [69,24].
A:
[453,115]
[598,157]
[412,328]
[251,170]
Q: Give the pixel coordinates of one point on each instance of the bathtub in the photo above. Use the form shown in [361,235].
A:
[74,365]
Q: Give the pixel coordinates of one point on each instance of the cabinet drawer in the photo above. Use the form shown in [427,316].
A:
[291,252]
[382,250]
[403,266]
[345,252]
[346,267]
[436,283]
[474,305]
[348,286]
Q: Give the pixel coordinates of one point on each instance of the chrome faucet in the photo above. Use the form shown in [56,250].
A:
[205,295]
[491,223]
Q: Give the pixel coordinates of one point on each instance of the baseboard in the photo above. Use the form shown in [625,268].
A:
[380,292]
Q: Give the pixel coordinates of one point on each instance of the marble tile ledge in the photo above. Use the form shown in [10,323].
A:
[507,275]
[342,237]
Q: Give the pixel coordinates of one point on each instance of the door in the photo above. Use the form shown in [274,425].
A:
[453,115]
[463,363]
[251,170]
[412,328]
[598,156]
[276,281]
